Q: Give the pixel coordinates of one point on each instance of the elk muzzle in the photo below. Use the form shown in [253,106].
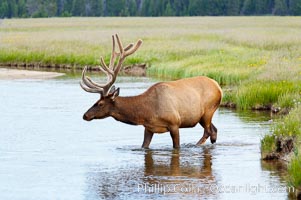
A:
[87,117]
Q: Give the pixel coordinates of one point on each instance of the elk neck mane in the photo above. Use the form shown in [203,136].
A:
[130,110]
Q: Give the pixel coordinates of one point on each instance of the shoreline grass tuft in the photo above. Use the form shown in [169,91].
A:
[294,169]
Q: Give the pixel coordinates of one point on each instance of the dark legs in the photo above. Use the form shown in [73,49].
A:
[174,133]
[147,138]
[213,136]
[209,130]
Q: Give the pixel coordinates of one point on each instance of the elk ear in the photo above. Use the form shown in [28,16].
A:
[112,89]
[115,94]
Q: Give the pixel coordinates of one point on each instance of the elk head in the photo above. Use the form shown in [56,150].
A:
[108,93]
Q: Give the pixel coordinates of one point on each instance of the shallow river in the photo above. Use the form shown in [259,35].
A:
[48,152]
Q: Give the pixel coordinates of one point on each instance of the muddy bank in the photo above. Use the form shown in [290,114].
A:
[273,109]
[134,70]
[284,149]
[7,74]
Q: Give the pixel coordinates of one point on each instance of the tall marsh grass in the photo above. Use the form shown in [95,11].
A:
[294,170]
[291,124]
[286,127]
[266,93]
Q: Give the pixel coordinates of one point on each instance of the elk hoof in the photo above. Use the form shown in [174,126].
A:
[213,138]
[212,141]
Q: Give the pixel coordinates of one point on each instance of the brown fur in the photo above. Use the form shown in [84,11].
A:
[165,107]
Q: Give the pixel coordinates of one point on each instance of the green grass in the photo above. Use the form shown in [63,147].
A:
[288,126]
[225,66]
[201,48]
[235,51]
[266,93]
[259,57]
[294,169]
[268,144]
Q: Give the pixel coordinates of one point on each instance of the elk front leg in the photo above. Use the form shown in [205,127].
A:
[148,135]
[174,133]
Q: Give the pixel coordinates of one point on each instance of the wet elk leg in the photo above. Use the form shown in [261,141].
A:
[148,135]
[174,133]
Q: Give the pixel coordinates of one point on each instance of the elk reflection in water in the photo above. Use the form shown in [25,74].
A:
[176,167]
[179,174]
[185,172]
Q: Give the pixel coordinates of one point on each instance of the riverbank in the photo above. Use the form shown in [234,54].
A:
[257,60]
[11,74]
[133,70]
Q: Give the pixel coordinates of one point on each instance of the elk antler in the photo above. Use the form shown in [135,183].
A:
[112,70]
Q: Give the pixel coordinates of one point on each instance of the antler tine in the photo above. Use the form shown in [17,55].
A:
[102,62]
[128,46]
[114,54]
[92,90]
[101,86]
[109,73]
[121,50]
[132,50]
[86,80]
[89,86]
[112,71]
[105,67]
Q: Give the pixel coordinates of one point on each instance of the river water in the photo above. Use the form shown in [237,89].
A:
[48,152]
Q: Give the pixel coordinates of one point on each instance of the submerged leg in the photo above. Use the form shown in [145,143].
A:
[148,135]
[174,133]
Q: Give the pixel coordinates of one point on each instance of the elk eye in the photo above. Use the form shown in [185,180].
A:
[100,103]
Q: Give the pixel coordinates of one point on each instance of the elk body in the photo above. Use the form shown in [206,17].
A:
[164,107]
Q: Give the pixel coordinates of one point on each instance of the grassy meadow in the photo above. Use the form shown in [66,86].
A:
[257,60]
[258,57]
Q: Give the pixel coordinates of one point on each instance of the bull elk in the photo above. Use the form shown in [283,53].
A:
[164,107]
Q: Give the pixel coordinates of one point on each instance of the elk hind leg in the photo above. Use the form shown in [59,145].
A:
[209,129]
[213,135]
[207,133]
